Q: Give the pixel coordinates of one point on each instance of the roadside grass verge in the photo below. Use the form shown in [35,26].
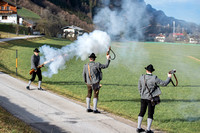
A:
[179,110]
[8,35]
[11,124]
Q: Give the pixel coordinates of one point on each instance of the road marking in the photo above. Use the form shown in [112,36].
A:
[194,58]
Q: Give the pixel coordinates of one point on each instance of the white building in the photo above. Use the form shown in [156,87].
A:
[8,13]
[72,31]
[160,38]
[193,40]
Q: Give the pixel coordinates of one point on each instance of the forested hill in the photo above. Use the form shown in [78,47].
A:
[56,14]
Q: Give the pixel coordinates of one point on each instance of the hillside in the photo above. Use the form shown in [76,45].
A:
[56,14]
[160,23]
[54,17]
[27,14]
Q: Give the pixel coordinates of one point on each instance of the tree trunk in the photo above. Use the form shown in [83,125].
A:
[91,6]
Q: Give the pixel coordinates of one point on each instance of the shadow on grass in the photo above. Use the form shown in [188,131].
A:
[180,100]
[64,82]
[187,119]
[4,69]
[30,118]
[189,86]
[28,43]
[131,85]
[122,100]
[162,100]
[81,83]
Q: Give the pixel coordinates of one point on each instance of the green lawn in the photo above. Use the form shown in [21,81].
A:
[8,35]
[25,13]
[180,107]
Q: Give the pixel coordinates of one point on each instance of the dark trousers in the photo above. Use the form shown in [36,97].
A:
[95,88]
[144,104]
[38,73]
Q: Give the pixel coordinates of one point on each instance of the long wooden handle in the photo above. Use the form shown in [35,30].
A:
[40,66]
[108,52]
[31,71]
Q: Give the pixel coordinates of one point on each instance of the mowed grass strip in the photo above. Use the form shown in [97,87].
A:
[11,124]
[179,110]
[8,35]
[23,12]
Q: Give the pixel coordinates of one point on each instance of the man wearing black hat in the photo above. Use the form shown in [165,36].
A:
[92,76]
[149,83]
[35,62]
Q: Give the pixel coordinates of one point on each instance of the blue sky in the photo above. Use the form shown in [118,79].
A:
[188,10]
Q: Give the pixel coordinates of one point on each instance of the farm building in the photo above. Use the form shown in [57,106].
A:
[72,31]
[160,38]
[8,13]
[193,40]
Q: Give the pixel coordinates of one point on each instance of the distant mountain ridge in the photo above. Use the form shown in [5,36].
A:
[80,12]
[158,17]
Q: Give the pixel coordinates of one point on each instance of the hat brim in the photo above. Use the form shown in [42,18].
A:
[149,69]
[92,57]
[36,51]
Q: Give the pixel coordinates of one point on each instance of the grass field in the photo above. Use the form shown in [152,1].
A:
[8,35]
[25,13]
[179,110]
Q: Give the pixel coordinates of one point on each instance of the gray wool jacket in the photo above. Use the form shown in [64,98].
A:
[35,61]
[152,82]
[95,71]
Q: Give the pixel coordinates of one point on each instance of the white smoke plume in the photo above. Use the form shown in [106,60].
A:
[95,42]
[123,21]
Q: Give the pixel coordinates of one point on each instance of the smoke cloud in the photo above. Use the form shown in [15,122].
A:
[122,19]
[95,42]
[125,22]
[116,20]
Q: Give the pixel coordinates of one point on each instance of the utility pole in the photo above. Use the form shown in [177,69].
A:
[174,28]
[16,61]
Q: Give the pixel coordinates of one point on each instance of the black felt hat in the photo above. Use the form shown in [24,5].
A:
[150,68]
[36,50]
[92,56]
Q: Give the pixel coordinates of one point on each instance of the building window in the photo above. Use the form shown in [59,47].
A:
[2,7]
[8,8]
[4,17]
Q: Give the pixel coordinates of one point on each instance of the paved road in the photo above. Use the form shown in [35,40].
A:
[16,38]
[51,113]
